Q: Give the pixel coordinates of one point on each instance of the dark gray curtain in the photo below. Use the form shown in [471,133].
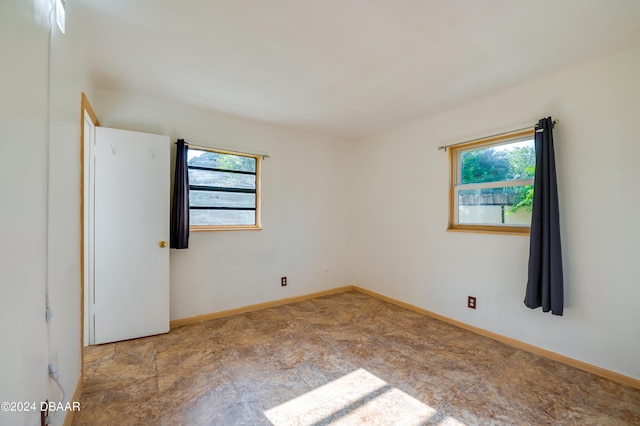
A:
[180,204]
[545,281]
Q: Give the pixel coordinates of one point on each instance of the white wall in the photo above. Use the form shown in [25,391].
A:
[23,212]
[306,207]
[23,367]
[404,251]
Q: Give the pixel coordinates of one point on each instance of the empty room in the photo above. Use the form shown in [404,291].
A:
[319,212]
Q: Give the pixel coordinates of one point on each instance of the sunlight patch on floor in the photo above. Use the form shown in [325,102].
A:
[449,421]
[358,398]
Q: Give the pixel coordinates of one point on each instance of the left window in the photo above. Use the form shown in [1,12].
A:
[224,190]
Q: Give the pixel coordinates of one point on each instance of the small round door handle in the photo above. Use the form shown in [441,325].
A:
[162,244]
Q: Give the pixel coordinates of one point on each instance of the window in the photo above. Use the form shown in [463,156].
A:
[224,190]
[492,184]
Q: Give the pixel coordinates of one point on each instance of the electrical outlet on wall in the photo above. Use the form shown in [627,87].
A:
[283,281]
[471,302]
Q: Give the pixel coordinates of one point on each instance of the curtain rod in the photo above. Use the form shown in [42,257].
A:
[229,151]
[445,147]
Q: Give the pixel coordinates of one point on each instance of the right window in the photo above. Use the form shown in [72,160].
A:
[492,184]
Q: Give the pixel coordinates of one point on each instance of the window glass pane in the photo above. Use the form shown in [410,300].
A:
[221,179]
[515,160]
[495,206]
[220,161]
[222,217]
[221,199]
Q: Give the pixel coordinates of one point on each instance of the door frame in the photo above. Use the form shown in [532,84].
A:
[85,109]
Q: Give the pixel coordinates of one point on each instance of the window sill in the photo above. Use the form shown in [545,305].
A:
[492,230]
[224,228]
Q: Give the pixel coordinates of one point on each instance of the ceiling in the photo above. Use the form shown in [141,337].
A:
[345,67]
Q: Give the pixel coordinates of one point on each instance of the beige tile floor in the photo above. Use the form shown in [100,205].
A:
[344,359]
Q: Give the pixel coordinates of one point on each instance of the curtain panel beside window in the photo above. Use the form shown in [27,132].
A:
[180,202]
[545,277]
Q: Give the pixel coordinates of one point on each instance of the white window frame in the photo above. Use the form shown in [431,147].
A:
[455,185]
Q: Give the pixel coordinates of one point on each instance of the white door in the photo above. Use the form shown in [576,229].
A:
[131,220]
